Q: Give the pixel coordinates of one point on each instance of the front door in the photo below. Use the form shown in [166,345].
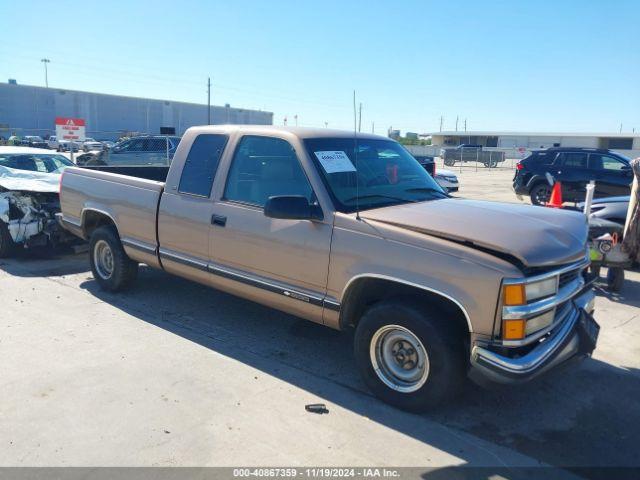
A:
[289,258]
[612,176]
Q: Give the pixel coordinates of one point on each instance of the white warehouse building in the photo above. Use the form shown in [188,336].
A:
[625,143]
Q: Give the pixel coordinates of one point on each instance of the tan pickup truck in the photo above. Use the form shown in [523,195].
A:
[352,233]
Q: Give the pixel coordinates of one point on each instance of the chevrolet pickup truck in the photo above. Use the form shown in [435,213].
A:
[351,232]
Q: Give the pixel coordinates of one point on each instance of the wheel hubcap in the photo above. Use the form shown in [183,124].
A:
[103,257]
[399,358]
[543,195]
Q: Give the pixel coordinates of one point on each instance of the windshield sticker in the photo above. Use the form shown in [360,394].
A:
[335,162]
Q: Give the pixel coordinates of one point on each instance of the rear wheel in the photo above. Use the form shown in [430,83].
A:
[408,356]
[7,245]
[111,267]
[540,194]
[449,162]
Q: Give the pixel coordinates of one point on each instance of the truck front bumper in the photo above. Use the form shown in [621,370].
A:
[575,337]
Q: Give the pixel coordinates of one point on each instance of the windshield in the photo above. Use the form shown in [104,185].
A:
[387,173]
[43,163]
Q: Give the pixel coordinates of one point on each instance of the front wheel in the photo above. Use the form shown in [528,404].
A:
[111,267]
[408,356]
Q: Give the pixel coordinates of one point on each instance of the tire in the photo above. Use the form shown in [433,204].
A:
[391,324]
[111,267]
[540,194]
[449,163]
[595,270]
[7,245]
[615,279]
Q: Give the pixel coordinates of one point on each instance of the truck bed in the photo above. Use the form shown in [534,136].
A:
[150,172]
[131,202]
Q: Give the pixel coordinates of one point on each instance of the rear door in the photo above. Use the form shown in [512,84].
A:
[572,169]
[185,210]
[612,175]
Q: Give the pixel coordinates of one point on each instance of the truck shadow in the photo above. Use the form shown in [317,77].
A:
[45,263]
[583,416]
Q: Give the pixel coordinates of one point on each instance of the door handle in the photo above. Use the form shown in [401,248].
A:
[219,220]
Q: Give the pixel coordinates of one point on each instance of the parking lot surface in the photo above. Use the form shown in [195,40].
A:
[174,373]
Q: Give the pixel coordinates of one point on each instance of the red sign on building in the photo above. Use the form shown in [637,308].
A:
[70,129]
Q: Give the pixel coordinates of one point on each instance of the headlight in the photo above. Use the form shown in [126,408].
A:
[541,289]
[535,324]
[522,293]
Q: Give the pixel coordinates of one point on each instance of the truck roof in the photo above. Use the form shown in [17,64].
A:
[301,132]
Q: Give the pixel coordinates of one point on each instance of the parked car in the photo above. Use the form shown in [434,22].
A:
[53,143]
[91,144]
[471,153]
[68,146]
[574,168]
[107,143]
[612,209]
[34,141]
[436,288]
[29,185]
[447,180]
[144,150]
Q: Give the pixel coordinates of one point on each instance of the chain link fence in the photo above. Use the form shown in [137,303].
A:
[472,158]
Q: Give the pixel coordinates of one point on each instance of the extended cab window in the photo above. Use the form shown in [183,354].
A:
[201,164]
[264,167]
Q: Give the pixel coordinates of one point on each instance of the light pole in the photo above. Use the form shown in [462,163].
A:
[46,78]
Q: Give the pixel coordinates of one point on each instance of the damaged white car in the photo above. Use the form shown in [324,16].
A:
[29,198]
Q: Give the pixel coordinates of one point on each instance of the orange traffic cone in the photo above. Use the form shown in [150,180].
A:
[556,196]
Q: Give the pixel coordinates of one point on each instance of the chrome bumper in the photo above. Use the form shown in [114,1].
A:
[562,344]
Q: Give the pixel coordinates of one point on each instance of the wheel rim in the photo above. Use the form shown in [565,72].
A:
[542,195]
[103,258]
[399,358]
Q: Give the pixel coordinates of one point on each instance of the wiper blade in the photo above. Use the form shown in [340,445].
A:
[427,189]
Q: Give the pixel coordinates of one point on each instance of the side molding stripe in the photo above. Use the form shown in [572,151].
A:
[252,281]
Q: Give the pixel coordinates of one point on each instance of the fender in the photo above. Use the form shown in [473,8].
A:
[411,284]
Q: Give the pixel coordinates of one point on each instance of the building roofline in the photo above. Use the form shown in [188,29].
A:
[457,133]
[54,89]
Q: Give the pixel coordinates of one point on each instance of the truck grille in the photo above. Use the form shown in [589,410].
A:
[568,277]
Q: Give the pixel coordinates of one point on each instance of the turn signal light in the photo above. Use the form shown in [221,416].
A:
[513,329]
[514,295]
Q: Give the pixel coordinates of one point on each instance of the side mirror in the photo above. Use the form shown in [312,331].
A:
[292,207]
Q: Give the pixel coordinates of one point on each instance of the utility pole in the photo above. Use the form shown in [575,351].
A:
[209,101]
[456,123]
[373,127]
[465,124]
[441,120]
[326,124]
[296,119]
[46,76]
[621,128]
[360,117]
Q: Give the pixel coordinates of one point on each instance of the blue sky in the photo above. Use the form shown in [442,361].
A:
[510,65]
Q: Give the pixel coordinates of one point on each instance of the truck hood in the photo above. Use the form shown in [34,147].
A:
[535,236]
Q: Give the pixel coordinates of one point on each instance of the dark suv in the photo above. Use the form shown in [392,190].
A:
[574,168]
